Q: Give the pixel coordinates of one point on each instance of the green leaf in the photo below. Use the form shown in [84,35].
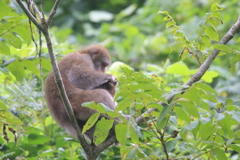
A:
[190,108]
[201,46]
[184,55]
[3,106]
[235,147]
[171,145]
[182,114]
[206,130]
[162,123]
[217,15]
[163,12]
[32,66]
[238,40]
[102,130]
[226,125]
[194,94]
[220,154]
[210,97]
[137,130]
[164,112]
[211,156]
[91,121]
[178,68]
[206,88]
[125,103]
[14,40]
[17,70]
[14,120]
[211,33]
[121,132]
[223,48]
[206,40]
[209,75]
[221,53]
[169,24]
[218,116]
[214,22]
[4,8]
[4,49]
[134,136]
[99,106]
[235,59]
[131,154]
[46,64]
[192,125]
[216,7]
[24,32]
[38,139]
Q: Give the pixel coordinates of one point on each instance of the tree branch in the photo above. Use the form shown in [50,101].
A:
[202,69]
[29,14]
[43,27]
[53,11]
[7,62]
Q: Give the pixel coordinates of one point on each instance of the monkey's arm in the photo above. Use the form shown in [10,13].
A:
[88,78]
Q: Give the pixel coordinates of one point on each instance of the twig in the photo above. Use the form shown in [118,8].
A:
[5,63]
[30,16]
[53,12]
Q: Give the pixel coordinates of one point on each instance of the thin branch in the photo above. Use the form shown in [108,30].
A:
[63,94]
[53,12]
[5,63]
[57,76]
[30,16]
[202,69]
[34,8]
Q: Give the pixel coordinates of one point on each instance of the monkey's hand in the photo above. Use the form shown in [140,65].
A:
[114,81]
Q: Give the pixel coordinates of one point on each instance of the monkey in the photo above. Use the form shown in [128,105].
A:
[85,80]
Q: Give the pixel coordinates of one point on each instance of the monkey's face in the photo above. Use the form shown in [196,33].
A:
[100,57]
[101,61]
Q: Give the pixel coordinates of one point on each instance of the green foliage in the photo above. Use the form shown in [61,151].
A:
[14,29]
[201,123]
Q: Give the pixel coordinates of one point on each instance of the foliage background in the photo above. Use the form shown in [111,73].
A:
[135,35]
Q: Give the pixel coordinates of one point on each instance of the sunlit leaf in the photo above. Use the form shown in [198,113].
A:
[211,33]
[206,41]
[121,132]
[178,68]
[134,136]
[4,49]
[102,130]
[90,122]
[220,154]
[223,48]
[209,75]
[216,7]
[182,114]
[17,70]
[163,12]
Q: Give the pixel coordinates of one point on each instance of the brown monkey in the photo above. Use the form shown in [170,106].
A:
[84,80]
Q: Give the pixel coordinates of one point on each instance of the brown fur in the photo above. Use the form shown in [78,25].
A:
[84,80]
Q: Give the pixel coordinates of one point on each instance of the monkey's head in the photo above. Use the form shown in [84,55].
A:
[99,55]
